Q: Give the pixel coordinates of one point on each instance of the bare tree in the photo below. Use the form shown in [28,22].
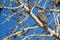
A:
[24,10]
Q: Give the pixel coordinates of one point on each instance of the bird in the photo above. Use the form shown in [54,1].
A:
[42,17]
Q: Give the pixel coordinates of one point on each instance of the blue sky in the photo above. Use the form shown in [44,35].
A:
[4,28]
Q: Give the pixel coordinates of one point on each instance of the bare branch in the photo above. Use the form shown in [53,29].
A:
[25,29]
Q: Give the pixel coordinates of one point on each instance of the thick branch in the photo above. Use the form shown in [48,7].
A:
[37,20]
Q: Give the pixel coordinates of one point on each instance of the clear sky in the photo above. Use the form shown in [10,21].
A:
[4,28]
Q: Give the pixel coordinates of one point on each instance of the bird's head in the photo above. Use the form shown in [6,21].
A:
[40,11]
